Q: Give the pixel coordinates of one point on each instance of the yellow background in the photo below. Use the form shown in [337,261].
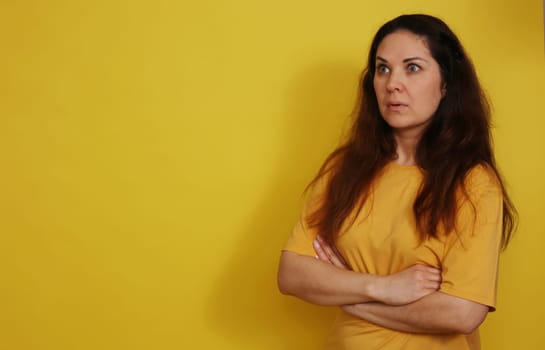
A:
[153,154]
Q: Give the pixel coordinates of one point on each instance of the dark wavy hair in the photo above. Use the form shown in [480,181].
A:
[456,140]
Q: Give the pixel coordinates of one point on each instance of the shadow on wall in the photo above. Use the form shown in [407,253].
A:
[245,306]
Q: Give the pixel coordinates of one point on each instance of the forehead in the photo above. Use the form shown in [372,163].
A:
[403,44]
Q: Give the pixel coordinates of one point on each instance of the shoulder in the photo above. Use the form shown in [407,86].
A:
[481,177]
[482,194]
[316,191]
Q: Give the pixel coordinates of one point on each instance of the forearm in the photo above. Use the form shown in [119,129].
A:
[435,313]
[321,283]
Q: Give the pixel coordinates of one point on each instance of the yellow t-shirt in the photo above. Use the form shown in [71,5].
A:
[383,240]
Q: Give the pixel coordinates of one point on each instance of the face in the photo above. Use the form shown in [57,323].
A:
[407,83]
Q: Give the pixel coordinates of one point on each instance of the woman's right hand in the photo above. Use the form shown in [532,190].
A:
[400,288]
[407,285]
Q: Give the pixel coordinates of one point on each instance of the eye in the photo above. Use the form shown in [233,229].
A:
[382,69]
[413,68]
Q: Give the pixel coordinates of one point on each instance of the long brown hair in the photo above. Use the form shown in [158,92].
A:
[456,140]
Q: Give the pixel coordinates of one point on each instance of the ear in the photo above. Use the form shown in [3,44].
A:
[443,90]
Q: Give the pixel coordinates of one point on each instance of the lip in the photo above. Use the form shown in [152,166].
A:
[396,106]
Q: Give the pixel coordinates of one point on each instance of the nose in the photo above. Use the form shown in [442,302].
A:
[394,82]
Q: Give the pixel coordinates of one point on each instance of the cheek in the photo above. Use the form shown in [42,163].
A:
[379,90]
[432,97]
[438,96]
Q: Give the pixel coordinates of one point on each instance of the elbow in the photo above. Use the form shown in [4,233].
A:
[284,278]
[283,285]
[470,318]
[467,328]
[282,282]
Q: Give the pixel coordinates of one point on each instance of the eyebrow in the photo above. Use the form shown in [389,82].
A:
[416,58]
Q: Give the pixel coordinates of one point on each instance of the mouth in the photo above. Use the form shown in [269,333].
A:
[396,106]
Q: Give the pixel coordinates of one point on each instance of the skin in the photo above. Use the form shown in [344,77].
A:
[409,88]
[435,313]
[327,280]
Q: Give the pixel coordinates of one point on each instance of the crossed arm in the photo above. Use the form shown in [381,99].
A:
[434,313]
[407,301]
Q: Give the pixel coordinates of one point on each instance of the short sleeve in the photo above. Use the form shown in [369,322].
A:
[302,236]
[470,261]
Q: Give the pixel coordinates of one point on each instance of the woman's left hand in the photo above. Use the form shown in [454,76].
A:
[328,254]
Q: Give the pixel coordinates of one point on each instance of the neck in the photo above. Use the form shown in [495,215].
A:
[406,149]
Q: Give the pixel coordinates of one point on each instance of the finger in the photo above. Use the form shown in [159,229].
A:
[326,251]
[434,274]
[336,258]
[433,287]
[433,270]
[435,278]
[426,268]
[320,252]
[341,258]
[331,254]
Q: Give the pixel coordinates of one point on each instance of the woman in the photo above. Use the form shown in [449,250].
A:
[405,221]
